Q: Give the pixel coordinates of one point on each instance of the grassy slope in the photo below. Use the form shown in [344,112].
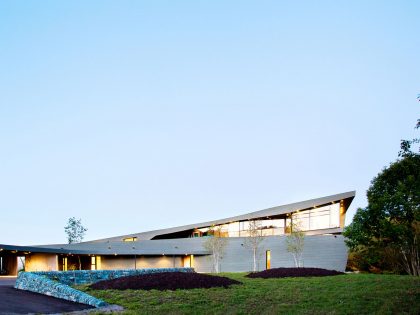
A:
[346,294]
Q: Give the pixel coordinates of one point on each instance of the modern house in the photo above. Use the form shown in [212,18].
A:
[321,219]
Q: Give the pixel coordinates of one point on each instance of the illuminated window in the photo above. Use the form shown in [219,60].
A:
[188,261]
[93,263]
[64,263]
[197,233]
[130,239]
[268,259]
[318,218]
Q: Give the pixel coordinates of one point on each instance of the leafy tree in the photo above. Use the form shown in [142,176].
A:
[391,221]
[75,233]
[74,230]
[295,242]
[216,244]
[254,240]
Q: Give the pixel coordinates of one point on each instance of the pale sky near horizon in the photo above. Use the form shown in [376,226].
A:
[140,115]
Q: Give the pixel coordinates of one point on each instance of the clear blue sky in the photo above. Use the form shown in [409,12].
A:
[136,115]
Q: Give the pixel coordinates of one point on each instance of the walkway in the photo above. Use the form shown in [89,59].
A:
[14,301]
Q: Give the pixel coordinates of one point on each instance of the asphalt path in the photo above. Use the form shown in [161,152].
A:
[14,301]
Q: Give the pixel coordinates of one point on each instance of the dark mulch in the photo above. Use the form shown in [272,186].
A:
[165,281]
[294,272]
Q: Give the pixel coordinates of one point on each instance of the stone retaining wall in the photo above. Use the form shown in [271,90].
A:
[56,283]
[36,283]
[92,276]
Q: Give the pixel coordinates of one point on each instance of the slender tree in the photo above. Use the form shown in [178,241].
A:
[75,233]
[254,240]
[74,230]
[216,244]
[295,242]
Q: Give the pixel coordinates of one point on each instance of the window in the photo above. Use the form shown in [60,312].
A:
[64,263]
[130,239]
[188,261]
[318,218]
[268,259]
[93,263]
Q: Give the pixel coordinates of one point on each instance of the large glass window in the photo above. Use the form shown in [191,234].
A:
[318,218]
[241,229]
[313,219]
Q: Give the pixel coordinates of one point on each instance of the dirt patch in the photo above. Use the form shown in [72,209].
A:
[165,281]
[294,272]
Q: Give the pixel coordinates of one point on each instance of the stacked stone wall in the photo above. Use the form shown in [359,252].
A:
[57,283]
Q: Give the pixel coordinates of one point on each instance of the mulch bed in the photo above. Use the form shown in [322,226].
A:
[294,272]
[165,281]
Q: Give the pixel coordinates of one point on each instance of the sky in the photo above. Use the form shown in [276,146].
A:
[140,115]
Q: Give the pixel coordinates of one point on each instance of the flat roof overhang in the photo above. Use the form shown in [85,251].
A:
[26,250]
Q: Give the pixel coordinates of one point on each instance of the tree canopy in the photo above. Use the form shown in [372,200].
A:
[75,230]
[392,218]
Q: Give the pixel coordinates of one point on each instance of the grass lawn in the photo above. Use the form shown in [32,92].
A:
[344,294]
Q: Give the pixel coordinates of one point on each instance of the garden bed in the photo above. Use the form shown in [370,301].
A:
[165,281]
[294,272]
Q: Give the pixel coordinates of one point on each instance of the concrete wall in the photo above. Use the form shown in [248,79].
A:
[127,262]
[322,251]
[41,262]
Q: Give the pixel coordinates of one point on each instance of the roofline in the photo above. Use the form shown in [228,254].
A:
[283,209]
[36,249]
[114,252]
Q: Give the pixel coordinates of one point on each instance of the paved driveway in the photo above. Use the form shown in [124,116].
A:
[9,281]
[14,301]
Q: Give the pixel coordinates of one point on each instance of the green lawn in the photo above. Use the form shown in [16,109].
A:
[345,294]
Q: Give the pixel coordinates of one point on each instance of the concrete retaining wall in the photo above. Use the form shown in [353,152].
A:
[320,251]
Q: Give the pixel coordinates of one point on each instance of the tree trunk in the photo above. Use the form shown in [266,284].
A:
[296,261]
[255,259]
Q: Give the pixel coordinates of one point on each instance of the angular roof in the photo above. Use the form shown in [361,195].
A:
[279,210]
[180,246]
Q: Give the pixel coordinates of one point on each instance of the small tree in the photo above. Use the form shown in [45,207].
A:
[254,240]
[295,243]
[74,230]
[216,244]
[75,233]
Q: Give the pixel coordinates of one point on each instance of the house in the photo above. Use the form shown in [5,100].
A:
[321,219]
